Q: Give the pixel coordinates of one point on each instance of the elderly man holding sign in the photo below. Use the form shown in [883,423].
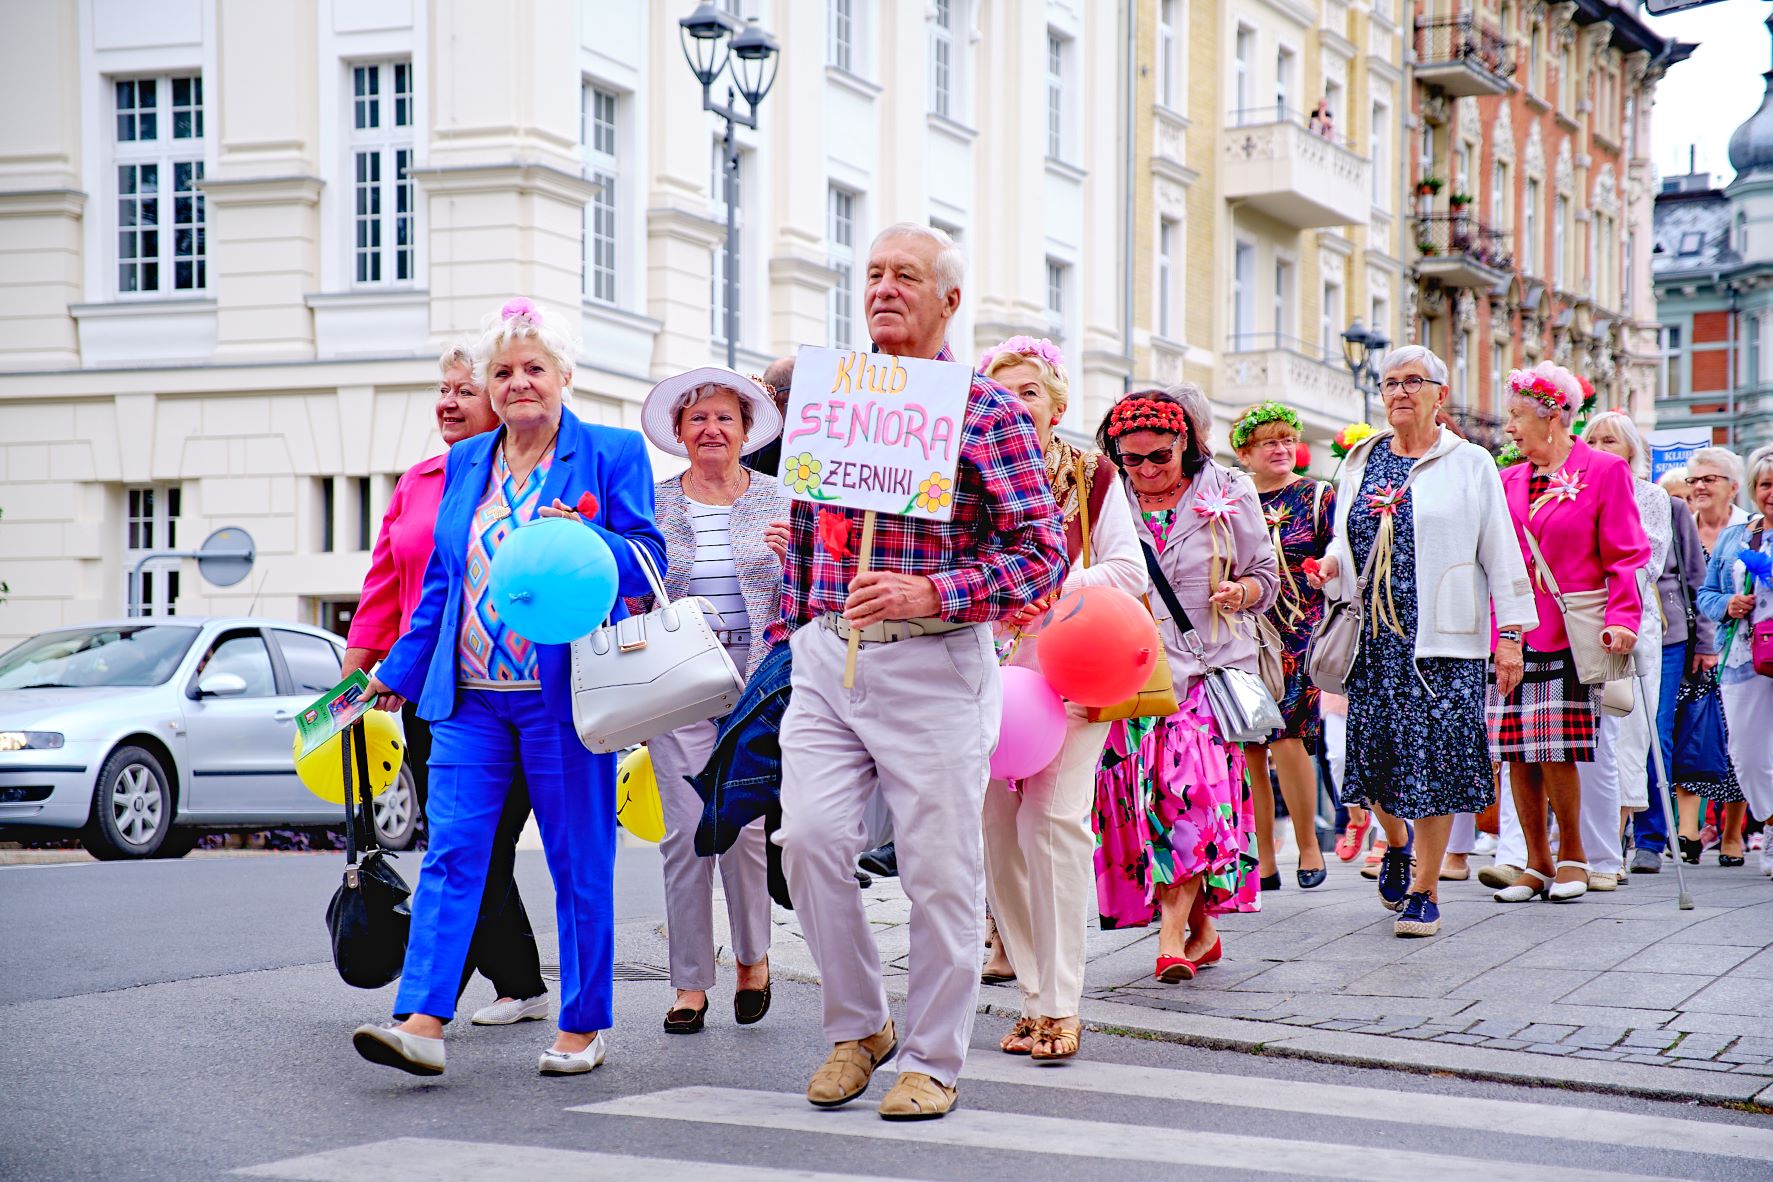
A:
[968,534]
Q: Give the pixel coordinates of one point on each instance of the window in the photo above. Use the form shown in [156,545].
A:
[1241,81]
[841,30]
[1378,138]
[1055,98]
[1167,63]
[1692,243]
[717,294]
[1535,58]
[151,522]
[1671,352]
[942,59]
[327,496]
[1283,84]
[159,154]
[1462,167]
[1056,294]
[244,654]
[1531,258]
[1169,239]
[1742,233]
[1283,300]
[1566,79]
[597,141]
[1243,295]
[312,661]
[382,195]
[1559,240]
[1752,357]
[843,261]
[1498,374]
[1498,195]
[1630,260]
[366,522]
[1379,315]
[1329,321]
[1461,392]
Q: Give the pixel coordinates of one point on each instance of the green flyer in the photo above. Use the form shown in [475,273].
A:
[332,712]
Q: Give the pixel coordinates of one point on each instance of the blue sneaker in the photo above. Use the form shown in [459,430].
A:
[1420,918]
[1394,873]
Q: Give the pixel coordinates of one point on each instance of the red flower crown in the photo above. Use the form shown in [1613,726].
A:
[1145,414]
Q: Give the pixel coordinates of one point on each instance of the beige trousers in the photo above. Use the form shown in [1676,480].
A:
[689,879]
[918,728]
[1040,856]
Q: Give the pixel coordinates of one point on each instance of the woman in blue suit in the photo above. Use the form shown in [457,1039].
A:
[494,699]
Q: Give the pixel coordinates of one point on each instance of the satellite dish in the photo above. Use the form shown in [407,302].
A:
[226,556]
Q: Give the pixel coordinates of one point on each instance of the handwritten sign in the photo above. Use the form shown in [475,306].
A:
[332,712]
[873,431]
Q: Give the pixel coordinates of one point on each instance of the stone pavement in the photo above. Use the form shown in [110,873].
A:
[1616,992]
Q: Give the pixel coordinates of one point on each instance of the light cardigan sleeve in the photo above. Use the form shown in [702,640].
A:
[1115,560]
[1499,552]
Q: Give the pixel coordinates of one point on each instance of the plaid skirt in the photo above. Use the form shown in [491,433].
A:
[1550,718]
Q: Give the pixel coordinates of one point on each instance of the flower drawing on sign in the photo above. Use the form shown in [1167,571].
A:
[803,473]
[933,495]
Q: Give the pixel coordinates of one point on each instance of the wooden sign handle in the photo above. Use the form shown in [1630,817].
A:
[849,661]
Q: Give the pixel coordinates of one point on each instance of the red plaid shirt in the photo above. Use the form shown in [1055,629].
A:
[1003,548]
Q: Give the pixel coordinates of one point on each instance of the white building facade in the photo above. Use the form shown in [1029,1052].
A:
[234,237]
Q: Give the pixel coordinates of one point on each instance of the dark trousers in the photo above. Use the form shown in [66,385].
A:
[1648,830]
[503,949]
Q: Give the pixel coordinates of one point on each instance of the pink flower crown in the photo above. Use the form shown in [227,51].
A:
[521,308]
[1528,384]
[1024,346]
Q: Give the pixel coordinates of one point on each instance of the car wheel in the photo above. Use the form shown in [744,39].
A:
[397,813]
[132,807]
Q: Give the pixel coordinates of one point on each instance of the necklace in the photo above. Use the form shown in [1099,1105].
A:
[503,508]
[1159,497]
[732,490]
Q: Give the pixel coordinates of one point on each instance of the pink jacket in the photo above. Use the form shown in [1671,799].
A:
[1590,541]
[396,576]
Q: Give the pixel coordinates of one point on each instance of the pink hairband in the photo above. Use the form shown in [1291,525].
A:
[521,308]
[1024,346]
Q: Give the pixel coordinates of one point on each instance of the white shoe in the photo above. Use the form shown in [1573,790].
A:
[508,1012]
[1522,891]
[1601,881]
[1766,859]
[1569,892]
[578,1063]
[1484,845]
[392,1047]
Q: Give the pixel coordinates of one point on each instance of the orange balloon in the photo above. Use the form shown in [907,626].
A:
[1098,646]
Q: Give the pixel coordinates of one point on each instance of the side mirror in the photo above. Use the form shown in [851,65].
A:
[221,685]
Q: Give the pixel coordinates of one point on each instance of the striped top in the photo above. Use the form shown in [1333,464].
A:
[490,654]
[714,575]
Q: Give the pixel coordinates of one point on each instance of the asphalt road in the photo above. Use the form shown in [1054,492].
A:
[178,1020]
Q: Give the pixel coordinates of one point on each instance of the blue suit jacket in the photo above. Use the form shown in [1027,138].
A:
[609,463]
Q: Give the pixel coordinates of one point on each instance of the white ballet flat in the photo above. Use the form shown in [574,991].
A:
[1523,891]
[555,1062]
[1568,892]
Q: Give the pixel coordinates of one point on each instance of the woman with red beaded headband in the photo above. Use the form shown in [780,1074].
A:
[1173,810]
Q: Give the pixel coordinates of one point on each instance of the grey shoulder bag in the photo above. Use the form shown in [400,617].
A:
[1242,706]
[645,675]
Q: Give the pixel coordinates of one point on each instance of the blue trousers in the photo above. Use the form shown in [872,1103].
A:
[473,755]
[1647,827]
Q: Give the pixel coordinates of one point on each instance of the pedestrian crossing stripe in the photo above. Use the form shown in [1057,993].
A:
[1629,1130]
[1066,1137]
[410,1159]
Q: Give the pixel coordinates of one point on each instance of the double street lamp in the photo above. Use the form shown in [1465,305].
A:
[1361,350]
[715,43]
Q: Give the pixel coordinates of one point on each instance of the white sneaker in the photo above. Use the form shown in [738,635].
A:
[392,1047]
[578,1063]
[1766,859]
[1600,880]
[1484,845]
[508,1012]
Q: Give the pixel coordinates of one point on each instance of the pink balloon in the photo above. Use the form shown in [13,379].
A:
[1033,727]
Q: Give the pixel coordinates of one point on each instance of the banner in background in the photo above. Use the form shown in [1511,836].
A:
[1672,447]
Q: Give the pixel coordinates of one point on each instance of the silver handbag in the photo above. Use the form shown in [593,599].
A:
[1242,706]
[645,675]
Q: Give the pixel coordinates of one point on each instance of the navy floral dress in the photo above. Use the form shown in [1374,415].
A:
[1302,519]
[1418,744]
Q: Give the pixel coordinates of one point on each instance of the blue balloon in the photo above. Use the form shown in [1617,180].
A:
[553,580]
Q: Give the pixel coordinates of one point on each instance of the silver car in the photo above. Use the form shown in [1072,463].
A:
[138,735]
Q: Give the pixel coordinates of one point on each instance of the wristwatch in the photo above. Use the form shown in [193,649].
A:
[1509,634]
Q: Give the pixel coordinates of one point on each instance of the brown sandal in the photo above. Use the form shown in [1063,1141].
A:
[1060,1037]
[1022,1033]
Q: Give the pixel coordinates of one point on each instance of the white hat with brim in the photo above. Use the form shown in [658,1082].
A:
[659,422]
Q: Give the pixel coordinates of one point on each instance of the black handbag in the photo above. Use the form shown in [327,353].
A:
[368,917]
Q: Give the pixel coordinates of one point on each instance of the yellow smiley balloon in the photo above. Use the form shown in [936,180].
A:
[320,772]
[638,806]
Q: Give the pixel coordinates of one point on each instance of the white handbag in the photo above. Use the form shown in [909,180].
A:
[645,675]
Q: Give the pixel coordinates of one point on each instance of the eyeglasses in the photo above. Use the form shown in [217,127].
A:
[1160,457]
[1276,444]
[1410,385]
[1702,481]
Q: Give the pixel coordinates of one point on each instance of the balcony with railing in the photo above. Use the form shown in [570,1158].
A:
[1259,366]
[1461,251]
[1307,176]
[1461,57]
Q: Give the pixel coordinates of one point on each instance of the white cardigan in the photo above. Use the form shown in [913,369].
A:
[1467,555]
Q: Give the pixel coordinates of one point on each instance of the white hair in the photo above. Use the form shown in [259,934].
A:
[950,264]
[1194,400]
[1721,458]
[1628,430]
[681,404]
[503,331]
[1412,354]
[454,354]
[1760,466]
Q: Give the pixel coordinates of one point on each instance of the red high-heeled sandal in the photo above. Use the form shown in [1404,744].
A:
[1172,970]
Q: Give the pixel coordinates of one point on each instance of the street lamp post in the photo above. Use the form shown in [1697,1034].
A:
[1361,350]
[714,43]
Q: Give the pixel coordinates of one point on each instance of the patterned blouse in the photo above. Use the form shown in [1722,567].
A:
[490,654]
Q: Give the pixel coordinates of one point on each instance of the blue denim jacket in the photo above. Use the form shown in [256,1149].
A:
[743,778]
[1714,597]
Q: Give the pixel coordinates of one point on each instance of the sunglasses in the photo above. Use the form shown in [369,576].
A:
[1160,457]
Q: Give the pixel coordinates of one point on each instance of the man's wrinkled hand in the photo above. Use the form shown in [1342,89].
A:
[887,595]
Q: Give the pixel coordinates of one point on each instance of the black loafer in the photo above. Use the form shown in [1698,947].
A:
[1690,850]
[1271,882]
[1730,860]
[1312,878]
[750,1005]
[684,1020]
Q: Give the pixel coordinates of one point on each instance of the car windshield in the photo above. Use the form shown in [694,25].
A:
[145,654]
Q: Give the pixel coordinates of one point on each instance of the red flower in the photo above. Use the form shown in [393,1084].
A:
[1309,566]
[587,506]
[834,533]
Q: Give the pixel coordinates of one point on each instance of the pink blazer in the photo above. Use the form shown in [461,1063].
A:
[396,576]
[1593,541]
